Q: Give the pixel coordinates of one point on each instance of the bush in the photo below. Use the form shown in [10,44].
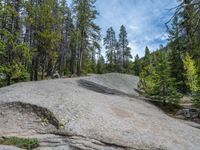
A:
[196,100]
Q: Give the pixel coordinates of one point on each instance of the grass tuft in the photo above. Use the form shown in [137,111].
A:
[28,144]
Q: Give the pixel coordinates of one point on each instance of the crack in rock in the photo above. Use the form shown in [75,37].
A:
[23,108]
[98,88]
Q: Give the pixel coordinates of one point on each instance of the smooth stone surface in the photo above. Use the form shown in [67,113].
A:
[92,119]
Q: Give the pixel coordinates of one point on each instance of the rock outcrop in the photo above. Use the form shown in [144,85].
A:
[188,113]
[96,112]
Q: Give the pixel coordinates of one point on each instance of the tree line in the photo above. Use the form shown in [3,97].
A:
[174,70]
[39,38]
[118,52]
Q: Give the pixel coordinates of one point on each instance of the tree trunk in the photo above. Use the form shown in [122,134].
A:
[36,68]
[49,68]
[71,66]
[79,65]
[8,80]
[43,70]
[32,70]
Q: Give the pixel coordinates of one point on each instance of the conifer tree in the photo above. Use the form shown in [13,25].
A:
[148,78]
[165,85]
[147,56]
[191,78]
[137,66]
[124,52]
[184,37]
[110,43]
[191,74]
[118,58]
[123,44]
[176,54]
[44,37]
[42,18]
[101,65]
[87,32]
[65,50]
[127,57]
[14,55]
[156,81]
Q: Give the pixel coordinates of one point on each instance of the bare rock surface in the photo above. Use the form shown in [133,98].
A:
[6,147]
[112,83]
[78,113]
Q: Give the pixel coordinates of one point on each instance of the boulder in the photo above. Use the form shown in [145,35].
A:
[188,113]
[56,75]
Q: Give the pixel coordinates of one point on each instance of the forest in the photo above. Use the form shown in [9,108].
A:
[41,38]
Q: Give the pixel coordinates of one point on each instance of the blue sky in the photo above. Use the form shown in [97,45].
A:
[144,21]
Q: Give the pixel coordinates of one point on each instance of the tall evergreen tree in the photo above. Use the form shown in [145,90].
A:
[101,65]
[191,74]
[147,55]
[166,86]
[87,32]
[191,78]
[124,50]
[156,81]
[146,60]
[45,36]
[66,50]
[14,55]
[110,43]
[127,57]
[148,78]
[184,37]
[137,66]
[176,54]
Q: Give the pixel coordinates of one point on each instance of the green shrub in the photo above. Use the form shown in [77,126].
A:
[196,101]
[28,144]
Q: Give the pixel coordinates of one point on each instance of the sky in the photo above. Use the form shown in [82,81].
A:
[144,20]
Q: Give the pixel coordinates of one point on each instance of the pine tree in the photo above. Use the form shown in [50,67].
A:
[127,57]
[14,55]
[123,44]
[101,65]
[166,86]
[42,19]
[87,32]
[147,56]
[118,58]
[176,55]
[66,50]
[191,78]
[184,33]
[110,43]
[44,37]
[92,64]
[124,50]
[156,81]
[137,66]
[191,74]
[148,78]
[188,15]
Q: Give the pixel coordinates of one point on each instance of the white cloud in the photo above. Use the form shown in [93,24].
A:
[144,20]
[135,49]
[133,27]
